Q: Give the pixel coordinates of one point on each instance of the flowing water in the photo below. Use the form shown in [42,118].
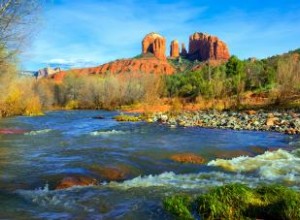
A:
[66,143]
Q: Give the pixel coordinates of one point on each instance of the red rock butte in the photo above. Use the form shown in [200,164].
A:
[174,49]
[205,47]
[183,50]
[202,47]
[155,44]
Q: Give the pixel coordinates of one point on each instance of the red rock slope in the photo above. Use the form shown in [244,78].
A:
[140,65]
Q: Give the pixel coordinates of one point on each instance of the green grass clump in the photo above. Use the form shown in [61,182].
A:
[127,118]
[279,202]
[179,206]
[238,201]
[227,202]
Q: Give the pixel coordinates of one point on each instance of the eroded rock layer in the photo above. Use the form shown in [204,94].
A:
[141,65]
[155,44]
[204,47]
[174,49]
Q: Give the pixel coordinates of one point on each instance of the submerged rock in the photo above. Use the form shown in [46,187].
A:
[71,181]
[12,131]
[231,154]
[112,173]
[188,158]
[98,117]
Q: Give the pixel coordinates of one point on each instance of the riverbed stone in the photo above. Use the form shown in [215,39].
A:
[188,158]
[12,131]
[72,181]
[111,173]
[271,121]
[260,120]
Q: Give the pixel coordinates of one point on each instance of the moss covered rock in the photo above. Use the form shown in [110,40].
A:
[127,118]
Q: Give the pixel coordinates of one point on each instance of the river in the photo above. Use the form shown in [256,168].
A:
[65,143]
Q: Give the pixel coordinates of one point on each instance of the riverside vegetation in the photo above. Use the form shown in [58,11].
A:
[270,82]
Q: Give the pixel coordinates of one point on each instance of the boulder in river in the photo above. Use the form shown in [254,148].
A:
[71,181]
[116,173]
[188,158]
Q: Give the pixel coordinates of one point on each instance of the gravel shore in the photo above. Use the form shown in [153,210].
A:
[284,121]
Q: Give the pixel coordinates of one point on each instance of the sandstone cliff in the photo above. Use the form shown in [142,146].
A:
[204,47]
[155,44]
[174,49]
[141,65]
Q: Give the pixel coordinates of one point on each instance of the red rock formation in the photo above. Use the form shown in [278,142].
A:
[204,47]
[188,158]
[174,49]
[112,173]
[142,65]
[183,50]
[155,44]
[68,182]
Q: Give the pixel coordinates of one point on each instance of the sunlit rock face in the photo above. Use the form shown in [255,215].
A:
[174,49]
[155,44]
[140,65]
[204,47]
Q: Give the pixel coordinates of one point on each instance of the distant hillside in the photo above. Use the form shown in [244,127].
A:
[203,49]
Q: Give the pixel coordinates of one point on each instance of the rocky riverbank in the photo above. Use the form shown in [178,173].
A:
[285,121]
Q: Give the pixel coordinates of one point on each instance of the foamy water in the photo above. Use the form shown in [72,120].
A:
[46,198]
[276,165]
[38,132]
[185,181]
[107,133]
[280,165]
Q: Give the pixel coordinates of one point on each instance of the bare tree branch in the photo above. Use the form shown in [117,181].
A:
[16,25]
[4,6]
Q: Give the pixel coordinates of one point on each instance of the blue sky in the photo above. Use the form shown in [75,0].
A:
[79,33]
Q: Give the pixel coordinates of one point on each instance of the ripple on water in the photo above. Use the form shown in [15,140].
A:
[38,132]
[107,133]
[73,142]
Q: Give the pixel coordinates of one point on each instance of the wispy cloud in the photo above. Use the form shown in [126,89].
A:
[69,63]
[100,31]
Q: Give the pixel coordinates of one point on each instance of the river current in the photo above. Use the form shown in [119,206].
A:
[66,143]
